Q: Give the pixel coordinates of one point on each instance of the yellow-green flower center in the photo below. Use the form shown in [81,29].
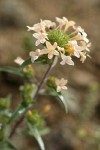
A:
[58,36]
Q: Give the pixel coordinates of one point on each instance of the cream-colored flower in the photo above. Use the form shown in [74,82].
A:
[41,38]
[76,48]
[50,50]
[35,55]
[81,34]
[49,24]
[61,84]
[66,60]
[82,56]
[85,46]
[19,61]
[39,27]
[62,21]
[35,28]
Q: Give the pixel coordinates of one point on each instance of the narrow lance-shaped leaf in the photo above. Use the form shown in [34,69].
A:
[63,101]
[33,131]
[53,92]
[13,70]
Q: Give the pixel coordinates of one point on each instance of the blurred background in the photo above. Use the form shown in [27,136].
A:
[80,128]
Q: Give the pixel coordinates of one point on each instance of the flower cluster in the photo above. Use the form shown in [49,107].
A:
[57,40]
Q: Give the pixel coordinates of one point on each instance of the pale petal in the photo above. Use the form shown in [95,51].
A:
[86,40]
[64,88]
[19,60]
[58,88]
[36,35]
[42,40]
[44,51]
[31,53]
[83,57]
[69,60]
[55,45]
[50,56]
[63,81]
[32,60]
[76,53]
[37,42]
[30,28]
[71,23]
[56,52]
[49,46]
[62,62]
[63,56]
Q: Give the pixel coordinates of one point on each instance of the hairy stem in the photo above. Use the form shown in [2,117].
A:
[20,120]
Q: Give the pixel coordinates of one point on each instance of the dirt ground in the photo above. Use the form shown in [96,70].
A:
[66,129]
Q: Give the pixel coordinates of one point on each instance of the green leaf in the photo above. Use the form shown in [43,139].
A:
[13,70]
[5,145]
[62,99]
[33,131]
[54,93]
[25,63]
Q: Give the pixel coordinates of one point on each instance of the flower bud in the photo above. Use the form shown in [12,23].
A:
[51,82]
[28,71]
[27,93]
[34,118]
[4,103]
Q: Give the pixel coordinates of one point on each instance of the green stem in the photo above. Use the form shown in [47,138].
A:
[15,114]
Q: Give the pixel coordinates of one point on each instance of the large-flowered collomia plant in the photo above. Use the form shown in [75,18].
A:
[62,40]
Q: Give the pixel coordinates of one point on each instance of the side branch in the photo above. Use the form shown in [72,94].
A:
[20,120]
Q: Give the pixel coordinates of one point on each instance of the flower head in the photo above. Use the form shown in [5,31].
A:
[55,40]
[61,84]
